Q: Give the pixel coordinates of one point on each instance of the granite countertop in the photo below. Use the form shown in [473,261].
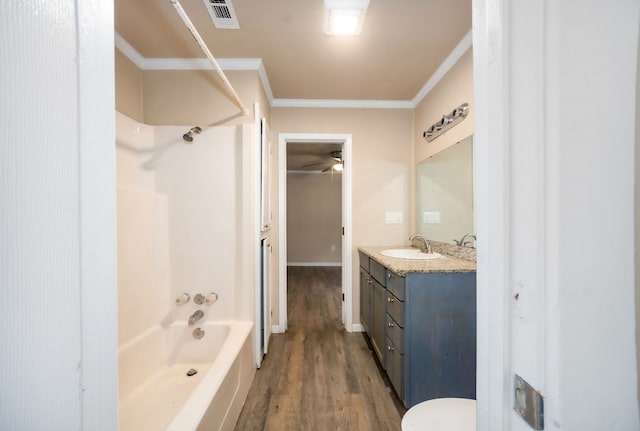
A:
[402,267]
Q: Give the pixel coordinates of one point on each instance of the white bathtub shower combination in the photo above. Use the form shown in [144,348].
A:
[179,228]
[156,392]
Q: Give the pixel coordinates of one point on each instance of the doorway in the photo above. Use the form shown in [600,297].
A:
[339,140]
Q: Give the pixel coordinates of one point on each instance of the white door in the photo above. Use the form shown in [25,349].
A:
[265,281]
[555,275]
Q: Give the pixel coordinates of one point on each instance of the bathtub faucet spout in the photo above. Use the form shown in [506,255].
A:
[199,314]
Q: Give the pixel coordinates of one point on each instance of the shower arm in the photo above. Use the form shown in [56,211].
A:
[185,18]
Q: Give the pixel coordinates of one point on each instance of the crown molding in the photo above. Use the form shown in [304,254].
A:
[256,64]
[202,63]
[129,51]
[447,64]
[342,103]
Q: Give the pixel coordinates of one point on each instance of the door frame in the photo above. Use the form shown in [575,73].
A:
[347,212]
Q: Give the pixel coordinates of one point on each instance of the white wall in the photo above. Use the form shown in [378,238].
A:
[57,217]
[556,277]
[314,218]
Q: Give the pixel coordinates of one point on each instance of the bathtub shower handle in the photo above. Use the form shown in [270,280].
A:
[183,298]
[206,300]
[211,298]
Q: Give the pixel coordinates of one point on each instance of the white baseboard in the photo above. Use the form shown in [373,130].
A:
[357,327]
[276,329]
[314,264]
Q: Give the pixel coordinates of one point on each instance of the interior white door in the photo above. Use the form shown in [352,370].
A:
[266,294]
[550,309]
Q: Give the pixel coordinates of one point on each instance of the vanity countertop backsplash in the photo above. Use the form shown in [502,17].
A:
[454,259]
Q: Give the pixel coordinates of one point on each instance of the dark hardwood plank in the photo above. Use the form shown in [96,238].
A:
[318,377]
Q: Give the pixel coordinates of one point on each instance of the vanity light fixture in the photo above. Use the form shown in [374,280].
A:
[344,17]
[446,122]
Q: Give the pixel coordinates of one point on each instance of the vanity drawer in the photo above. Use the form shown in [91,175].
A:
[395,284]
[377,271]
[395,333]
[364,261]
[395,308]
[395,368]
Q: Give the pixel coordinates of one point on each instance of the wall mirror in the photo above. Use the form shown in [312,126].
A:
[444,188]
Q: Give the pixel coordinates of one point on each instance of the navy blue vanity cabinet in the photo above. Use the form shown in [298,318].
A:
[431,335]
[378,309]
[365,300]
[365,293]
[372,303]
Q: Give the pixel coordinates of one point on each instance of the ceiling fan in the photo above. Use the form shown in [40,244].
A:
[333,162]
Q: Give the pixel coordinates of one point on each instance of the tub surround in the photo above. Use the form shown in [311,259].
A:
[454,259]
[170,230]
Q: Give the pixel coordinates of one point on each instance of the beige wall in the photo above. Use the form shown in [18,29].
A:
[185,97]
[199,97]
[129,95]
[455,88]
[382,157]
[314,218]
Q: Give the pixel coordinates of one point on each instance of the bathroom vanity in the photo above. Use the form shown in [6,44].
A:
[420,316]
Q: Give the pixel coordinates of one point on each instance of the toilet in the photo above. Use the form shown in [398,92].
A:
[441,414]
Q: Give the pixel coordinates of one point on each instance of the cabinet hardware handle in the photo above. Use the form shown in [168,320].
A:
[390,300]
[391,349]
[389,275]
[390,325]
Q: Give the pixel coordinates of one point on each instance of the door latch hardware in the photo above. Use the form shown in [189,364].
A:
[528,403]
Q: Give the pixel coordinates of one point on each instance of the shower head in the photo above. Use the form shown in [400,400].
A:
[188,137]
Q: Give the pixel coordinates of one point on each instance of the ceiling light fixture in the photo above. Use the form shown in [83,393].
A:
[344,17]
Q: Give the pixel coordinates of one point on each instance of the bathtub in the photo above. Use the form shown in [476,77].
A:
[156,393]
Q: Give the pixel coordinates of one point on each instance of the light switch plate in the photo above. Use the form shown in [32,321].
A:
[393,217]
[429,217]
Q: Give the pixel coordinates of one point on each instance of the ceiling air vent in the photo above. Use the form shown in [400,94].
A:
[222,14]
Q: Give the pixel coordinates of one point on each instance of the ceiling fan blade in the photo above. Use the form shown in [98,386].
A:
[310,165]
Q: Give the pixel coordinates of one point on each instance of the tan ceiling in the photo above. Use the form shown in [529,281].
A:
[402,43]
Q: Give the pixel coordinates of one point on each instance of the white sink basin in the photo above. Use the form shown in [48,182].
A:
[409,253]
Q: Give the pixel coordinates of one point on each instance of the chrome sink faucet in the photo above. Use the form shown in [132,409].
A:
[427,246]
[464,242]
[197,315]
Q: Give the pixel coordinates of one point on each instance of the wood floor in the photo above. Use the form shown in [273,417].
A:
[317,376]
